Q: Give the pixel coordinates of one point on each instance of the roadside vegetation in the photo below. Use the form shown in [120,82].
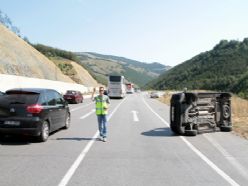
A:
[66,67]
[55,52]
[239,113]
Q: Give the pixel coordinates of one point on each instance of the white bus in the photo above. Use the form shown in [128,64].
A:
[116,87]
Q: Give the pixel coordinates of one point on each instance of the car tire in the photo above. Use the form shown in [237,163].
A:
[225,128]
[67,121]
[1,136]
[190,132]
[173,129]
[44,132]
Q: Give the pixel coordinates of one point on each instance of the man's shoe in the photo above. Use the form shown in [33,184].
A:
[104,139]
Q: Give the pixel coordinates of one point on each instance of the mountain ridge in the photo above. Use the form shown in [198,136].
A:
[136,72]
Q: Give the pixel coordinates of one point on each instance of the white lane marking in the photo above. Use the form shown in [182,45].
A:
[199,153]
[135,116]
[81,156]
[242,170]
[74,109]
[86,115]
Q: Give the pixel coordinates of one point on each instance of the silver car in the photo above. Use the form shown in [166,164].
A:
[154,95]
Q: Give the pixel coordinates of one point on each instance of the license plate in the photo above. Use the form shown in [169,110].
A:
[14,123]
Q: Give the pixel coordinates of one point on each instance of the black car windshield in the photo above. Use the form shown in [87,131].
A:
[21,97]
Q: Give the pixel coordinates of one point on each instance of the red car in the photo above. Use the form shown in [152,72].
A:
[73,96]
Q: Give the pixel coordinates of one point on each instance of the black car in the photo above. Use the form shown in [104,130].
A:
[35,112]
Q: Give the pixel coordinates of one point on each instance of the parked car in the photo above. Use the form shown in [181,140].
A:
[73,96]
[192,113]
[154,95]
[35,112]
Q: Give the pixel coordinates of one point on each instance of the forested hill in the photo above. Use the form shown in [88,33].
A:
[224,68]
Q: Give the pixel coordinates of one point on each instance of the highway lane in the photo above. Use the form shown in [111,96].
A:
[143,152]
[31,163]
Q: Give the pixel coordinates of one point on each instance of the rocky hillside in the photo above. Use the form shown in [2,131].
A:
[100,66]
[75,71]
[19,58]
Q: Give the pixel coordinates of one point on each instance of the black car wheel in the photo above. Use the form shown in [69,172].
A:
[44,133]
[67,121]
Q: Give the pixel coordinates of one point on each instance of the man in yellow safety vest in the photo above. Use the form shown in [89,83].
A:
[102,104]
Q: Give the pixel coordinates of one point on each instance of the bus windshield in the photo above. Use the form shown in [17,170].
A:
[115,78]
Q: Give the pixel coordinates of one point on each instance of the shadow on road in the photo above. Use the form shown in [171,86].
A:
[21,139]
[79,139]
[15,140]
[158,132]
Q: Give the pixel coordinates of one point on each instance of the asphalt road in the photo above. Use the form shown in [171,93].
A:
[140,150]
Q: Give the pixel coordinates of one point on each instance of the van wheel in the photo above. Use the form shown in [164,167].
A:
[190,132]
[226,111]
[44,133]
[67,121]
[225,128]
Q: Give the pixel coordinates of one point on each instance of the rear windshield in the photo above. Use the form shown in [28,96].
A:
[71,92]
[115,78]
[20,97]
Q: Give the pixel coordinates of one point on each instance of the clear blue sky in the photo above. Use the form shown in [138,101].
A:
[166,31]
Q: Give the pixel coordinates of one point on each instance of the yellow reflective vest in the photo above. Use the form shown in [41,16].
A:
[101,105]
